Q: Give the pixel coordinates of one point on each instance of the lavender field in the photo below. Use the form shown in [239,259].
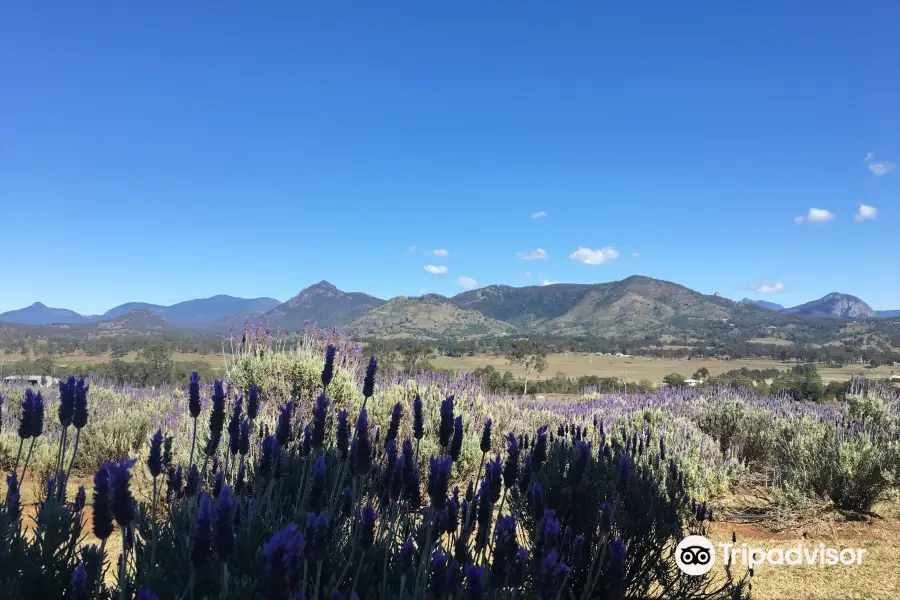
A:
[306,474]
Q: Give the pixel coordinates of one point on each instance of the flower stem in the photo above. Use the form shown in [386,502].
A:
[74,453]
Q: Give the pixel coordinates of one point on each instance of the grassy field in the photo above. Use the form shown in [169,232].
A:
[636,368]
[80,358]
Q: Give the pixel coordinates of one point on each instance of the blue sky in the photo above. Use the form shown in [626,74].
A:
[161,153]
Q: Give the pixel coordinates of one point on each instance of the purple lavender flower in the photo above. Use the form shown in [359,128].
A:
[343,434]
[252,402]
[493,475]
[194,395]
[284,556]
[474,582]
[80,416]
[173,483]
[456,442]
[407,552]
[396,415]
[79,583]
[26,419]
[269,456]
[145,594]
[367,528]
[320,412]
[66,401]
[437,574]
[550,531]
[13,505]
[201,542]
[369,381]
[328,368]
[154,461]
[319,480]
[123,504]
[511,468]
[438,481]
[486,436]
[192,485]
[453,511]
[216,418]
[624,466]
[361,448]
[223,537]
[37,415]
[283,431]
[484,510]
[446,424]
[103,514]
[80,498]
[320,538]
[244,441]
[234,427]
[578,466]
[539,454]
[505,548]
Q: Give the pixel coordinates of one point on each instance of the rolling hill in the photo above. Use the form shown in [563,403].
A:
[631,308]
[427,317]
[198,311]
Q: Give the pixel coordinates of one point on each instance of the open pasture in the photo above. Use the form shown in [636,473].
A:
[636,368]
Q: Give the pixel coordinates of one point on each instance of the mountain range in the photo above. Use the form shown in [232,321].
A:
[636,307]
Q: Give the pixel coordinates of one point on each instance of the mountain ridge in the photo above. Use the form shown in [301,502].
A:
[764,304]
[834,305]
[635,307]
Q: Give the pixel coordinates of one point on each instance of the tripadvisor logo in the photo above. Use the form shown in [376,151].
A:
[696,555]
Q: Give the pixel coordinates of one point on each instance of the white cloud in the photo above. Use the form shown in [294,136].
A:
[635,255]
[441,252]
[412,249]
[815,215]
[467,283]
[586,256]
[548,282]
[539,214]
[769,287]
[435,269]
[527,273]
[540,253]
[866,213]
[879,167]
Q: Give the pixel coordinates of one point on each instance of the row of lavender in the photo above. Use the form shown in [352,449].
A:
[329,505]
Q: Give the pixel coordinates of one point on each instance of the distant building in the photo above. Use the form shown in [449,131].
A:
[33,380]
[692,382]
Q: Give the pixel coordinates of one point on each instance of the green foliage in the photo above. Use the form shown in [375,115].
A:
[674,380]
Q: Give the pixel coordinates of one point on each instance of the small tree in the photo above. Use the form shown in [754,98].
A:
[530,356]
[674,380]
[701,373]
[415,357]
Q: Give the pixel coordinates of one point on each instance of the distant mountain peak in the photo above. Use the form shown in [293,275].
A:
[763,304]
[322,303]
[836,305]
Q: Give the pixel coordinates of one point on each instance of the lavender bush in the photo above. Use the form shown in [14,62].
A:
[329,507]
